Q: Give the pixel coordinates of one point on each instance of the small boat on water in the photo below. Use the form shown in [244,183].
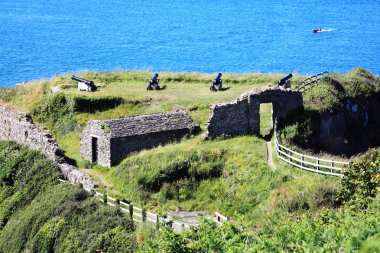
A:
[317,30]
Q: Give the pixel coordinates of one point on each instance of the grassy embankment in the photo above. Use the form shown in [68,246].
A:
[328,97]
[230,176]
[281,209]
[39,214]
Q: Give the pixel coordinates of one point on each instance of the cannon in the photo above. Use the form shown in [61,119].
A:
[217,83]
[285,82]
[154,83]
[84,84]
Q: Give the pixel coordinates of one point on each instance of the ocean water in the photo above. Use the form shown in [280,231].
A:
[43,38]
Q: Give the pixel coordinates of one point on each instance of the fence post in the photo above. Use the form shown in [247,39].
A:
[302,159]
[131,211]
[143,212]
[332,165]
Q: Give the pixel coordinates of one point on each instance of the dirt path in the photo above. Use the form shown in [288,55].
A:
[269,155]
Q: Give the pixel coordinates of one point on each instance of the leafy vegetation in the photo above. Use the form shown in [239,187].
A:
[335,95]
[327,231]
[42,215]
[362,180]
[330,94]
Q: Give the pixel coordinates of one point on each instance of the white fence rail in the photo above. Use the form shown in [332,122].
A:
[310,82]
[309,163]
[141,215]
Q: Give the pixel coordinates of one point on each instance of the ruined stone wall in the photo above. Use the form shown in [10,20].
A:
[242,116]
[95,129]
[19,127]
[228,119]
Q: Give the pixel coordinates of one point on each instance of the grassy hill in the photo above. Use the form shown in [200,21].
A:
[39,214]
[230,176]
[235,168]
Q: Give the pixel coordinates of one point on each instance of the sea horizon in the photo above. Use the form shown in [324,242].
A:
[42,39]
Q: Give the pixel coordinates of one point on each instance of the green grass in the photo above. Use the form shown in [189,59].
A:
[266,124]
[273,210]
[246,188]
[230,176]
[245,182]
[39,214]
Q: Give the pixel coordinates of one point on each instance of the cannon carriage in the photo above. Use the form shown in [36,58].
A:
[154,83]
[217,83]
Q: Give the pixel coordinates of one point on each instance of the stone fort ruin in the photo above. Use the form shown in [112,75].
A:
[242,116]
[108,142]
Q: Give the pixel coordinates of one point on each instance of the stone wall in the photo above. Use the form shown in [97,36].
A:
[228,119]
[242,116]
[352,130]
[95,129]
[121,147]
[19,127]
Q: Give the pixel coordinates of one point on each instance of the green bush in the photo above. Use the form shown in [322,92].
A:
[326,231]
[23,174]
[361,179]
[57,111]
[93,104]
[39,214]
[114,240]
[197,167]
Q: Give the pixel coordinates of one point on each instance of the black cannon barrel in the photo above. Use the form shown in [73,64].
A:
[283,80]
[154,78]
[217,78]
[88,82]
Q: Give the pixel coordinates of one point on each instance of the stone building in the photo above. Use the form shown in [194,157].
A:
[242,116]
[108,142]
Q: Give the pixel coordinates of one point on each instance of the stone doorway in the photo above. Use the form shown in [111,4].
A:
[94,147]
[266,120]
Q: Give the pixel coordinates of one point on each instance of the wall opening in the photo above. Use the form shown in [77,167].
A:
[266,120]
[94,147]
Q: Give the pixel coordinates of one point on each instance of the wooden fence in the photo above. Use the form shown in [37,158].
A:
[310,82]
[309,163]
[142,215]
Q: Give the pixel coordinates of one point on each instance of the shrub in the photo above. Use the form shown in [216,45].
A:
[57,111]
[196,166]
[38,214]
[361,179]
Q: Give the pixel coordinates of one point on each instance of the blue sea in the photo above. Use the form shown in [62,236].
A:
[43,38]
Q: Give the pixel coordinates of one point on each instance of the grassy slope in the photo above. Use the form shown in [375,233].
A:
[329,96]
[42,215]
[246,182]
[261,200]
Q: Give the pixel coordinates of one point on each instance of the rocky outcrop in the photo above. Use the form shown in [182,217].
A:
[347,132]
[242,116]
[19,127]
